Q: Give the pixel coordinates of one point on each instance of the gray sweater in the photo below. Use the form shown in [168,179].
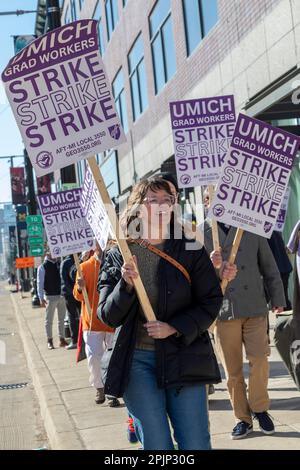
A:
[245,295]
[148,267]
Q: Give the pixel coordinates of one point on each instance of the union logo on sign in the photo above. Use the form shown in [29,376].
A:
[44,159]
[115,131]
[218,210]
[185,179]
[267,227]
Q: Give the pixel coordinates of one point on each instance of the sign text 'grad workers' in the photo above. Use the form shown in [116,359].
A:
[202,132]
[67,229]
[255,176]
[61,97]
[94,210]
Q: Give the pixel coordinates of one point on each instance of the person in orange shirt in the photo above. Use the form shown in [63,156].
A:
[97,335]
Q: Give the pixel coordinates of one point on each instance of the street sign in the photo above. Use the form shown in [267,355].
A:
[25,262]
[36,250]
[35,241]
[34,220]
[35,230]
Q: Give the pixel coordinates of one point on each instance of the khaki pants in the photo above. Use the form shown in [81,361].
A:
[230,336]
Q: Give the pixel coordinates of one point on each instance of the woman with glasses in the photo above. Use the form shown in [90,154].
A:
[160,368]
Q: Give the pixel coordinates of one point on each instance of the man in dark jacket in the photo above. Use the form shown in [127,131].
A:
[49,283]
[68,276]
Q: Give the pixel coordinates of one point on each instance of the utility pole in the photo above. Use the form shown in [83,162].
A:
[53,14]
[31,203]
[67,174]
[31,200]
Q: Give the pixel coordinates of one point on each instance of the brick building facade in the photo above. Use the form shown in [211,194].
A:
[251,49]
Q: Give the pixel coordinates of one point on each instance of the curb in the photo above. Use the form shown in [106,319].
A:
[58,423]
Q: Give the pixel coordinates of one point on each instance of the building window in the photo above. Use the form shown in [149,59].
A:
[74,14]
[162,43]
[199,17]
[137,74]
[112,16]
[110,173]
[97,16]
[67,17]
[119,95]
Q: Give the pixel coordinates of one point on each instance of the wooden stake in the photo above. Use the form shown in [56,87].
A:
[214,224]
[85,294]
[233,253]
[126,253]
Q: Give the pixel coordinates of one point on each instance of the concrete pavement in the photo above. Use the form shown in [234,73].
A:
[73,420]
[21,426]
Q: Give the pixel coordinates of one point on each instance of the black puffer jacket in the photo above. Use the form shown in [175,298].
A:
[191,309]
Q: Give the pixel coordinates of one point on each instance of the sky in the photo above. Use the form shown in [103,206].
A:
[10,137]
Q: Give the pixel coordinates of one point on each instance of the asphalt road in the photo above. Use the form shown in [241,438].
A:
[21,425]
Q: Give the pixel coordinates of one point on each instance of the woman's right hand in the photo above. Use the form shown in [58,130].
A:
[129,271]
[216,258]
[80,283]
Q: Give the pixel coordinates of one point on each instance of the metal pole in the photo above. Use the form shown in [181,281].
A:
[53,14]
[17,12]
[31,202]
[30,184]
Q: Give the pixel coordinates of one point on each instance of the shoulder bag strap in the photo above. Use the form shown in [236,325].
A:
[164,255]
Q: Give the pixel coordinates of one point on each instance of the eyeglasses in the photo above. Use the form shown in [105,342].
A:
[166,201]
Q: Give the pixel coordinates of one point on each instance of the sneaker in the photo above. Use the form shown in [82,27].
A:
[63,343]
[241,430]
[100,396]
[131,435]
[113,402]
[50,343]
[71,346]
[265,422]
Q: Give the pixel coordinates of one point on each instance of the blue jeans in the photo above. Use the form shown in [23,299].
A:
[151,407]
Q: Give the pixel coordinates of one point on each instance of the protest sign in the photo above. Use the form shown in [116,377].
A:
[282,212]
[202,132]
[254,177]
[62,102]
[120,237]
[94,210]
[67,229]
[61,98]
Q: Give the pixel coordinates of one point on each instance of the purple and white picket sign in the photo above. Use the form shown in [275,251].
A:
[93,209]
[66,227]
[202,132]
[61,97]
[283,211]
[254,177]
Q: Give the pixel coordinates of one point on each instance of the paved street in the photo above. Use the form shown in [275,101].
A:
[21,425]
[74,421]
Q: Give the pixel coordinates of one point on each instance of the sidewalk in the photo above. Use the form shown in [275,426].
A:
[73,420]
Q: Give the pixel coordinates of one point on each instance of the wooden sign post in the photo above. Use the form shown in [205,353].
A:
[214,223]
[84,292]
[118,232]
[233,253]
